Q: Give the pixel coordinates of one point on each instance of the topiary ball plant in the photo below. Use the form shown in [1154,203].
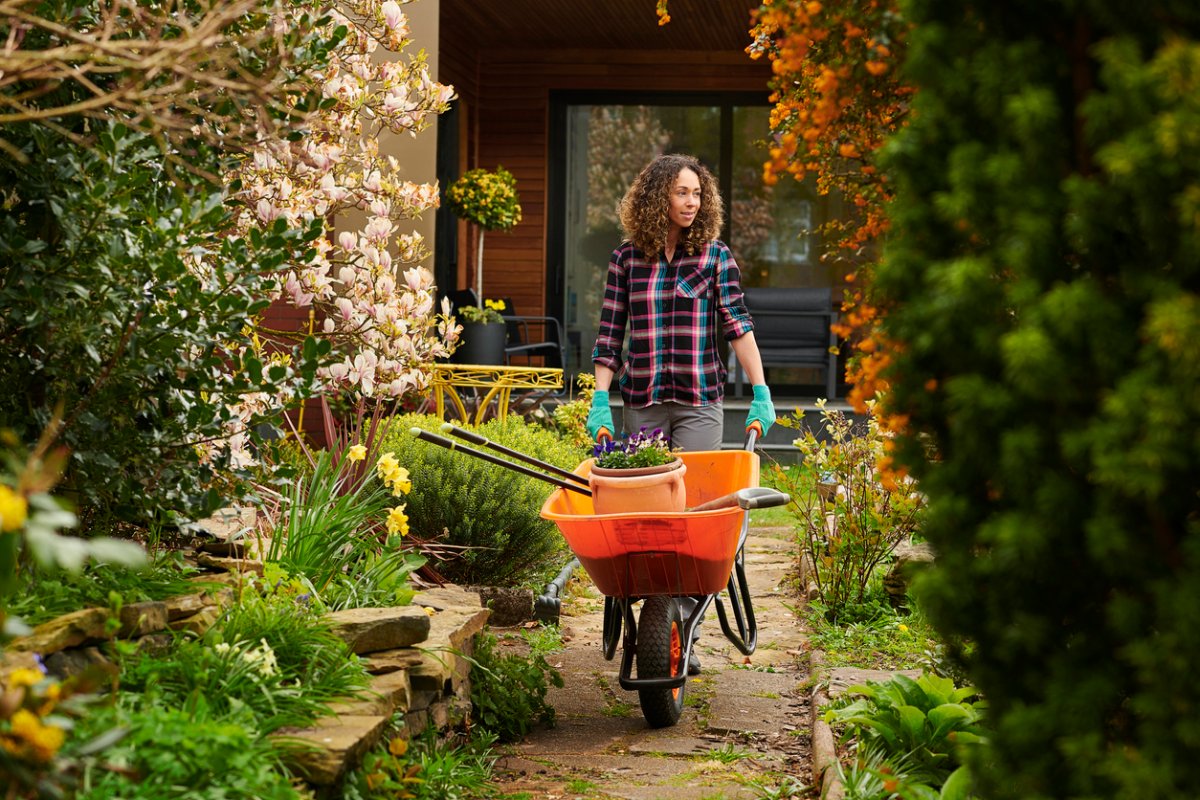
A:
[487,515]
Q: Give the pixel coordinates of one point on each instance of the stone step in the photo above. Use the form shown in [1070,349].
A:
[426,680]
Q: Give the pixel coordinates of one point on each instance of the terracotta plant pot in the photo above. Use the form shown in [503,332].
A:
[639,490]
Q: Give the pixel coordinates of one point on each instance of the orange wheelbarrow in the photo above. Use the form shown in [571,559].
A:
[656,559]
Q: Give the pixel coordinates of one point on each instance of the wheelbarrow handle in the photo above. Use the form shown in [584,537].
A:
[753,432]
[450,444]
[483,441]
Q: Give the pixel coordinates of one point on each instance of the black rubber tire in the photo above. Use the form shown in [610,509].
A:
[659,651]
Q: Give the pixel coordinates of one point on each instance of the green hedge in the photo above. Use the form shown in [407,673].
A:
[1043,270]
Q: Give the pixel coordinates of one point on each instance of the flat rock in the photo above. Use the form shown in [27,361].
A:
[188,604]
[234,522]
[198,623]
[369,630]
[445,650]
[69,630]
[386,695]
[339,742]
[224,564]
[76,661]
[385,661]
[395,688]
[140,619]
[444,597]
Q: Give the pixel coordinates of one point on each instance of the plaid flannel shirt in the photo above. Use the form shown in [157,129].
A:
[668,309]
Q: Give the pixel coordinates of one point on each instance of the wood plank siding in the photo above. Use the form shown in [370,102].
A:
[506,57]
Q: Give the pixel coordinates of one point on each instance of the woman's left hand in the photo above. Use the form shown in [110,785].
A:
[762,410]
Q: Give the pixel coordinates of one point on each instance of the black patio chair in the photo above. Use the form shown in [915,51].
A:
[793,329]
[551,349]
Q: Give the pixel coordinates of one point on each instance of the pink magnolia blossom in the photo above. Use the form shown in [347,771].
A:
[379,306]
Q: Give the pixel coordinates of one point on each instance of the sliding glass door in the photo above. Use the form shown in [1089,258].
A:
[598,147]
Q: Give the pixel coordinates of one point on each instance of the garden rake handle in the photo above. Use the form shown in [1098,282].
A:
[479,439]
[450,444]
[747,499]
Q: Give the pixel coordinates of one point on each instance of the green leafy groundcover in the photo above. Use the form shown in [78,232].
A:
[508,691]
[163,749]
[42,596]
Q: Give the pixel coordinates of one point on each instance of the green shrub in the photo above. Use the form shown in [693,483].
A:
[508,692]
[464,502]
[851,515]
[1042,279]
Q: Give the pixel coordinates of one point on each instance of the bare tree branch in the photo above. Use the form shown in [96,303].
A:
[215,71]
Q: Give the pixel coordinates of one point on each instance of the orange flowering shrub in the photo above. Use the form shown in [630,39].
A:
[837,98]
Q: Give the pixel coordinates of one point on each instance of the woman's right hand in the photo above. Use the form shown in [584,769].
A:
[600,416]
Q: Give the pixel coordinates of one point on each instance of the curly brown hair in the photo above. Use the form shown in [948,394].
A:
[644,207]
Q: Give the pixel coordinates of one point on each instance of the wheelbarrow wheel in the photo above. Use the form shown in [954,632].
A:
[660,655]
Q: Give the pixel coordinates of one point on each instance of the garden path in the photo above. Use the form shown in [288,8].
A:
[746,720]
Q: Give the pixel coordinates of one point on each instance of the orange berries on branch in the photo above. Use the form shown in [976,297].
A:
[836,89]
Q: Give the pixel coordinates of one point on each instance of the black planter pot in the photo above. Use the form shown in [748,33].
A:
[482,343]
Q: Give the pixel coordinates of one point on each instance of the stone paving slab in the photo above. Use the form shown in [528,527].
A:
[749,702]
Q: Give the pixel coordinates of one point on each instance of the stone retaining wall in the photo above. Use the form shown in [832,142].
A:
[418,657]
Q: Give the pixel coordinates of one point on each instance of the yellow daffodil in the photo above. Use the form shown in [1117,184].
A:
[43,740]
[386,464]
[399,480]
[397,521]
[356,453]
[13,510]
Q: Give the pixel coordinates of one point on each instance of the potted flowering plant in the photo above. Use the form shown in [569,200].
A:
[489,313]
[642,449]
[639,474]
[490,201]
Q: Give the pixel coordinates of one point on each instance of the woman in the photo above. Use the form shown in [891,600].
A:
[672,283]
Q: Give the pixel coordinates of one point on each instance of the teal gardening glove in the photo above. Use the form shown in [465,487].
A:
[600,416]
[761,409]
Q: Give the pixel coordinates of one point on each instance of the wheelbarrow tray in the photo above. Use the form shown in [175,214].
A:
[680,553]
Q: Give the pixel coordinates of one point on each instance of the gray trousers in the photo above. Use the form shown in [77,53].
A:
[687,428]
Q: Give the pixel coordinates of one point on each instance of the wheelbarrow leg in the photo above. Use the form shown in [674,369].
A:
[614,610]
[745,639]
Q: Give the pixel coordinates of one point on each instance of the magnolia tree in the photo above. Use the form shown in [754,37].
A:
[377,303]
